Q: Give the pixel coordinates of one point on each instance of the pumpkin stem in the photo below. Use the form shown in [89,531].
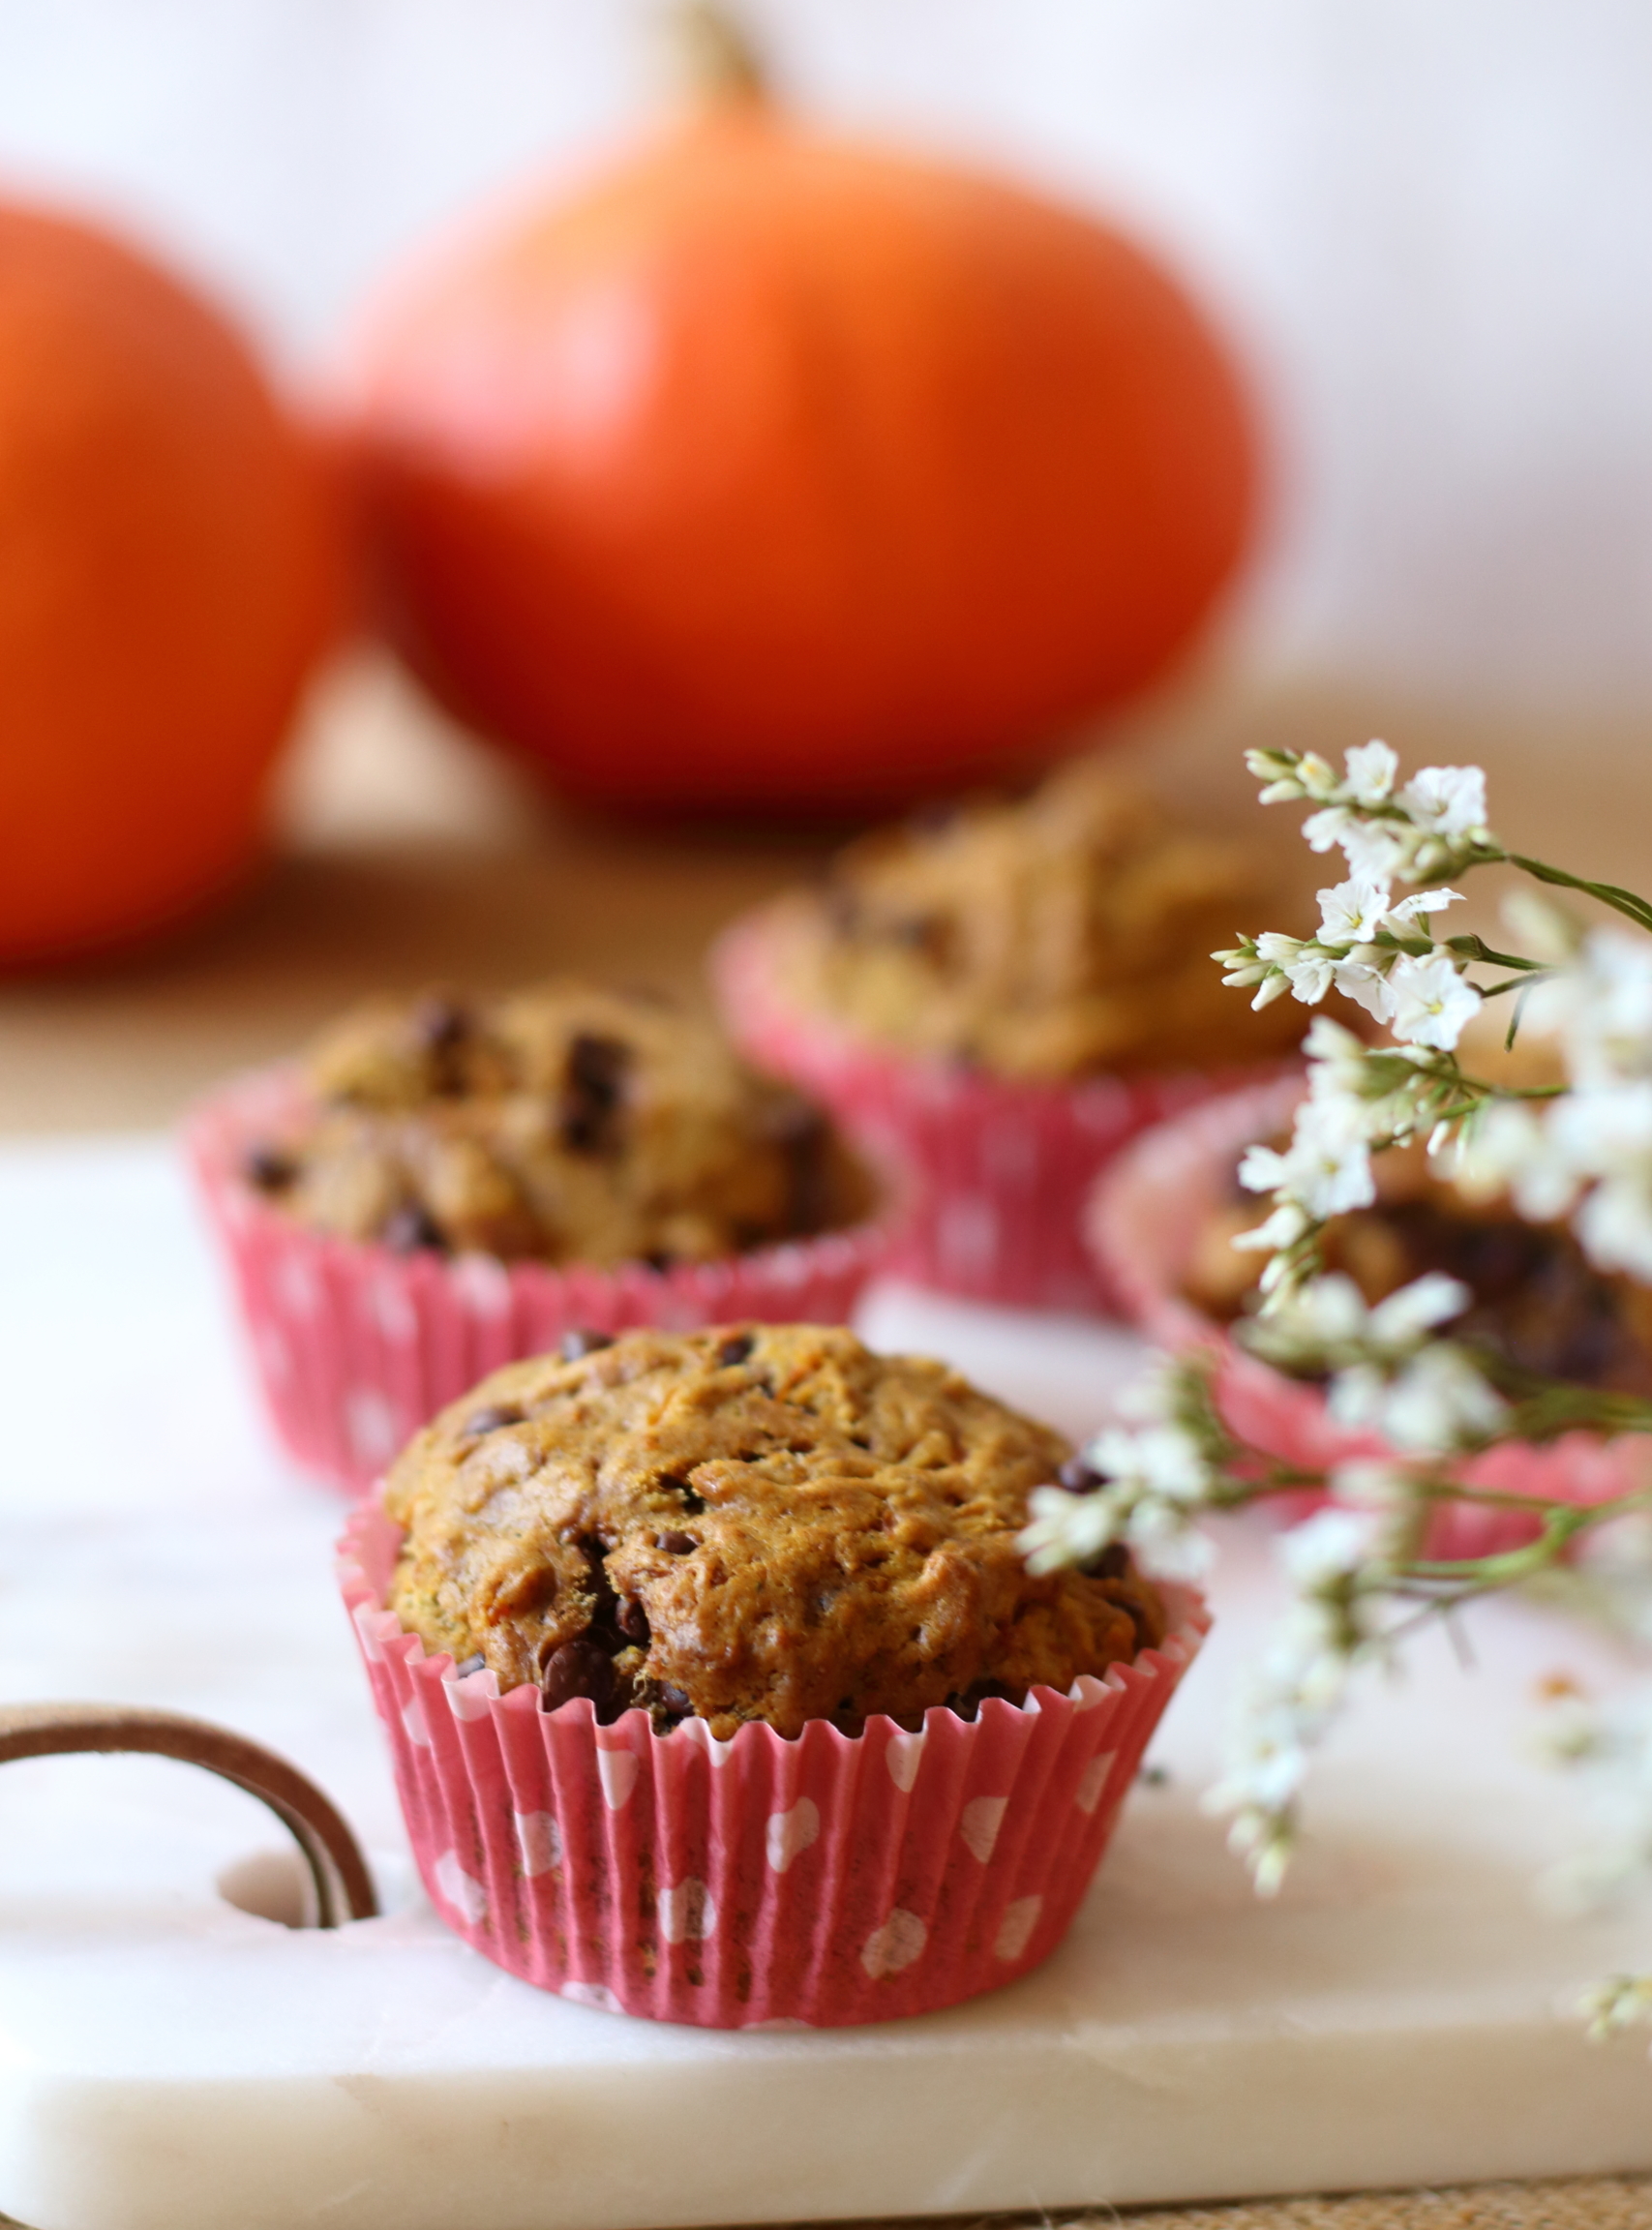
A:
[718,60]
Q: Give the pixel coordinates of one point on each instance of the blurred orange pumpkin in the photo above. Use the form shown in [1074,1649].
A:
[169,568]
[774,469]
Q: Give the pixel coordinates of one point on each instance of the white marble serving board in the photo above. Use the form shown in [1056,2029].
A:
[1402,2013]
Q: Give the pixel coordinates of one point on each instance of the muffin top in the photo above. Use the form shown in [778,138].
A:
[567,1122]
[1539,1304]
[1070,933]
[754,1523]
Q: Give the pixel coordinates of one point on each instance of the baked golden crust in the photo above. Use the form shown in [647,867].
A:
[569,1123]
[754,1523]
[1051,939]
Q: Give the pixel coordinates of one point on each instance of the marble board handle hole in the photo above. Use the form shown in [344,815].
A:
[271,1885]
[323,1883]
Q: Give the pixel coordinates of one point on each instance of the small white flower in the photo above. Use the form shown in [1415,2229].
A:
[1162,1461]
[1167,1544]
[1375,1486]
[1615,1226]
[1067,1528]
[1423,902]
[1310,976]
[1433,1004]
[1328,1548]
[1325,1313]
[1366,986]
[1337,1055]
[1439,1403]
[1373,848]
[1352,913]
[1372,768]
[1316,775]
[1400,1320]
[1508,1147]
[1244,968]
[1447,801]
[1356,1396]
[1282,1228]
[1327,1167]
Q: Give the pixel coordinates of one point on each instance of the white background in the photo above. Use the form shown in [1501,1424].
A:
[1428,224]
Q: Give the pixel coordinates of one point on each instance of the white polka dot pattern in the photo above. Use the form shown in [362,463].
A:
[979,1825]
[688,1911]
[1091,1781]
[1015,1929]
[895,1945]
[903,1757]
[539,1839]
[460,1890]
[787,1834]
[616,1769]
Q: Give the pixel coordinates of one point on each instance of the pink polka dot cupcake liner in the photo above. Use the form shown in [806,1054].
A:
[355,1346]
[995,1172]
[756,1883]
[1143,1222]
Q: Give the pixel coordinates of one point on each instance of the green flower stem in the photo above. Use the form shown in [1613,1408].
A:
[1612,894]
[1471,947]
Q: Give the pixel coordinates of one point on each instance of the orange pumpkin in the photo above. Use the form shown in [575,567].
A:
[169,569]
[777,471]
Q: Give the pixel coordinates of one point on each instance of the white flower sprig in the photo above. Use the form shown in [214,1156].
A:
[1588,1154]
[1433,825]
[1369,948]
[1360,1572]
[1144,1487]
[1387,1373]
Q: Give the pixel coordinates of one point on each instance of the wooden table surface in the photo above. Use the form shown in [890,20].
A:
[406,856]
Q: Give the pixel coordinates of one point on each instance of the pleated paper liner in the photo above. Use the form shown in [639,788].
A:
[756,1883]
[1143,1222]
[997,1171]
[356,1346]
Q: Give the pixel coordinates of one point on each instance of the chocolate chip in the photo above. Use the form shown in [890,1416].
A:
[579,1667]
[1076,1476]
[410,1227]
[441,1031]
[268,1168]
[471,1665]
[438,1024]
[968,1703]
[492,1419]
[575,1345]
[804,1136]
[659,1258]
[593,1085]
[1140,1619]
[677,1544]
[605,1610]
[632,1621]
[735,1348]
[675,1700]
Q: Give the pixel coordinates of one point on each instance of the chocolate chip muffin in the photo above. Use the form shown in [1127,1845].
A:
[564,1124]
[1538,1306]
[1052,939]
[754,1523]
